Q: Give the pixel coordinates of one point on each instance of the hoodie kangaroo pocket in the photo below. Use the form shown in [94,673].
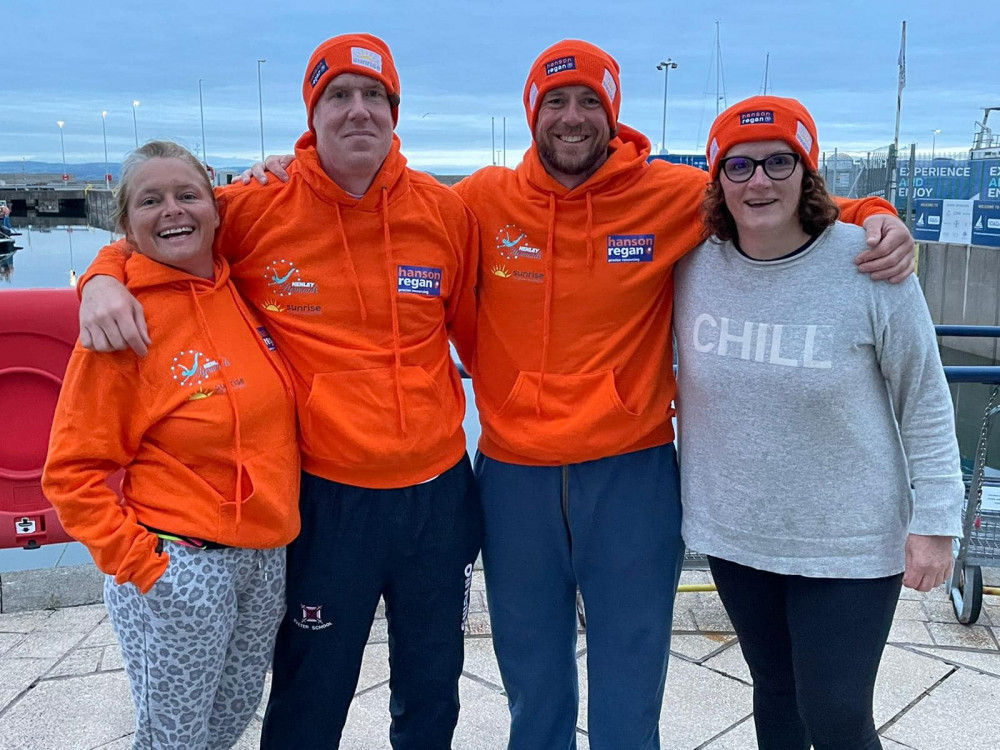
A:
[352,418]
[549,419]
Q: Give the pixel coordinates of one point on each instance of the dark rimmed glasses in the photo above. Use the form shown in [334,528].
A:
[777,166]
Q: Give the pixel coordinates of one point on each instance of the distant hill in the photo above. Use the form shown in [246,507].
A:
[10,170]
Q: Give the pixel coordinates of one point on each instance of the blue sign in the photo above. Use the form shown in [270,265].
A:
[986,223]
[927,220]
[976,179]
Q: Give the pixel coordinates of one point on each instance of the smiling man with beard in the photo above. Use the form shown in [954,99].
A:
[574,383]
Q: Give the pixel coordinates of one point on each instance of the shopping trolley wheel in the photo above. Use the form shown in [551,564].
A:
[581,615]
[970,586]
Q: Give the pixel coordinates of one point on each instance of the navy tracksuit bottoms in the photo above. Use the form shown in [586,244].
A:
[414,546]
[611,527]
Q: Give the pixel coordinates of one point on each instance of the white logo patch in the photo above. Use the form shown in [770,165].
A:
[713,151]
[366,59]
[609,84]
[803,137]
[532,96]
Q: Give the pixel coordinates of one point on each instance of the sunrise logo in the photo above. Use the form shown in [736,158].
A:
[501,271]
[272,305]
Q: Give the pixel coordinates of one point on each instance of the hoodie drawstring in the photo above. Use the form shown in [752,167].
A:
[232,405]
[391,278]
[350,263]
[590,232]
[550,249]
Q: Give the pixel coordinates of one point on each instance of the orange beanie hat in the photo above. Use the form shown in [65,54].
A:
[363,54]
[763,118]
[572,62]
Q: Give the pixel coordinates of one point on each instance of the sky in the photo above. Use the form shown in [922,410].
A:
[463,63]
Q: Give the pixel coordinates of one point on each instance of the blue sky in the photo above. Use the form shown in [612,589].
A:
[463,62]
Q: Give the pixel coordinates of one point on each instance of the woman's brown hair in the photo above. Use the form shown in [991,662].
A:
[817,210]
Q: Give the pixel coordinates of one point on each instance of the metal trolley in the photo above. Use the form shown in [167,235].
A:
[980,542]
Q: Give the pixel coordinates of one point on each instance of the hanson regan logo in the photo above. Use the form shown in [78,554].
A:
[630,248]
[560,64]
[418,280]
[757,117]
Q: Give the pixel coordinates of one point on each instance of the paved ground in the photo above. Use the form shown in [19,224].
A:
[62,684]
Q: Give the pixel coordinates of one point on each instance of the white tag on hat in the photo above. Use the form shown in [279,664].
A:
[803,137]
[713,151]
[532,96]
[609,84]
[366,59]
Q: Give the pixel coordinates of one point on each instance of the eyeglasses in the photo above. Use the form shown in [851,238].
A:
[777,166]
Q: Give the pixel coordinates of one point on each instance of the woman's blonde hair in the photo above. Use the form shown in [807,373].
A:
[145,152]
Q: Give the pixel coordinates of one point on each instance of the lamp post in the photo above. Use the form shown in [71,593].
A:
[260,103]
[665,67]
[201,105]
[135,122]
[934,141]
[62,145]
[104,132]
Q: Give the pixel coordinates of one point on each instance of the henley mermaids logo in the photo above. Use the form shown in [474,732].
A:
[757,117]
[630,248]
[318,71]
[284,279]
[512,242]
[312,618]
[418,280]
[560,64]
[192,368]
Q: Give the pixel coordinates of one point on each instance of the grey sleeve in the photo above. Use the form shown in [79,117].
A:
[909,360]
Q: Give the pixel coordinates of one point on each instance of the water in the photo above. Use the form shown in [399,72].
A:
[49,253]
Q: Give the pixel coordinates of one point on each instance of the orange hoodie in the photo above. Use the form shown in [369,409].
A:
[574,357]
[204,426]
[361,295]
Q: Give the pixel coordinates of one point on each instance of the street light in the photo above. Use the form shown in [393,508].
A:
[665,67]
[135,123]
[260,103]
[934,141]
[62,145]
[104,131]
[201,104]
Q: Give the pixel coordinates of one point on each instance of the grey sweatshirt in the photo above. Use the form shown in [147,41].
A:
[810,399]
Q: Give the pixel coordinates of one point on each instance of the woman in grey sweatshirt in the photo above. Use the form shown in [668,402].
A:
[819,466]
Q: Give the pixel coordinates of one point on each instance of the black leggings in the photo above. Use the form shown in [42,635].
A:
[813,646]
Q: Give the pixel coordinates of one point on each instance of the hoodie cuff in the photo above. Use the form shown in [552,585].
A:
[142,566]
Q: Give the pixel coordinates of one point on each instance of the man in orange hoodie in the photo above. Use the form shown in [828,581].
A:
[362,268]
[575,388]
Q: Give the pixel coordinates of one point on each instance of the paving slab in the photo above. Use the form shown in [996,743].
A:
[978,660]
[374,666]
[740,737]
[698,704]
[910,631]
[697,647]
[250,740]
[18,674]
[731,662]
[42,643]
[902,677]
[102,635]
[81,661]
[81,619]
[61,715]
[481,661]
[961,712]
[8,641]
[911,610]
[968,636]
[23,622]
[112,658]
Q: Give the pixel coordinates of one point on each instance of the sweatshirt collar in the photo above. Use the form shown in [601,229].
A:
[144,273]
[391,176]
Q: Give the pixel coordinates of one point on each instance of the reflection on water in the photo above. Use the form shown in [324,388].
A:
[50,255]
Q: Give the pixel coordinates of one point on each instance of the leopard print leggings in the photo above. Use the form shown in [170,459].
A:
[197,646]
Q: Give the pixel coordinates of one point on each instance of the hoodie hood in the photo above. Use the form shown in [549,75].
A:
[144,273]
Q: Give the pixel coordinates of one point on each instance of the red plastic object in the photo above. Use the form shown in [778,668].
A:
[38,328]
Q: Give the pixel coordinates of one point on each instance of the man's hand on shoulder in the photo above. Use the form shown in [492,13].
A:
[891,251]
[276,165]
[111,319]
